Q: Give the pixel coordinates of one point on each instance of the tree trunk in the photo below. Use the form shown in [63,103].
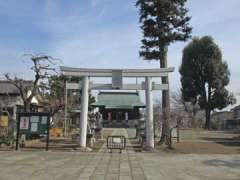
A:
[194,123]
[208,108]
[208,116]
[27,106]
[165,101]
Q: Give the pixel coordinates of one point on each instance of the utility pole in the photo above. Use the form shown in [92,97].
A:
[65,110]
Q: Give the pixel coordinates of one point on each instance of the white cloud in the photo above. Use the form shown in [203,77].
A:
[205,12]
[95,3]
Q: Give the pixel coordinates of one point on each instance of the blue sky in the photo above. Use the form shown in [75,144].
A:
[105,34]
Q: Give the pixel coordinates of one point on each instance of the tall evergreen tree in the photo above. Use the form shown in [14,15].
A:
[204,76]
[162,22]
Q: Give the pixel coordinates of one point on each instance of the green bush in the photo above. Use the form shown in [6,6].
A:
[8,140]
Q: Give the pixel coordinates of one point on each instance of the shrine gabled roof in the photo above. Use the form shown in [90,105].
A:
[118,100]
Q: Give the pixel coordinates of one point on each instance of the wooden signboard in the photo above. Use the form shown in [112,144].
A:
[33,124]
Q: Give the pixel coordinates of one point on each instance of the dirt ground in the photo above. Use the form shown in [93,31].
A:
[61,144]
[205,148]
[195,141]
[206,142]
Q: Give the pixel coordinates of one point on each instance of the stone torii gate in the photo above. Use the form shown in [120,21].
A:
[117,84]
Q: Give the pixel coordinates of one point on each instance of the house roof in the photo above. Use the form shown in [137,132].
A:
[118,100]
[6,87]
[236,108]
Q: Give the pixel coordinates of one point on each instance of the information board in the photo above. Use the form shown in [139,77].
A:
[24,123]
[33,124]
[117,80]
[4,118]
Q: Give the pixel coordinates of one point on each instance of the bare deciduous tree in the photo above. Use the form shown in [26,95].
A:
[43,66]
[191,108]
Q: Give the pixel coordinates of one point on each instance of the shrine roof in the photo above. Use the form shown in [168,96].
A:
[119,100]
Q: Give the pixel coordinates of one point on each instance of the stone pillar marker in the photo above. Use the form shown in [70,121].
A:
[149,114]
[84,112]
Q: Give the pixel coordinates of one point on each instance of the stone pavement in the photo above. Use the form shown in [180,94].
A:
[190,166]
[40,165]
[122,166]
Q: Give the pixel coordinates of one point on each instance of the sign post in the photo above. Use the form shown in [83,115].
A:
[33,124]
[48,128]
[18,129]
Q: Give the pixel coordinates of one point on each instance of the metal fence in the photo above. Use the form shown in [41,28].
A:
[116,142]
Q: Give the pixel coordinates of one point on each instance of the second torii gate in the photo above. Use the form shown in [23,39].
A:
[117,84]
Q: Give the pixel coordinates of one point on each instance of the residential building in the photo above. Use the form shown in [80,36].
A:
[227,119]
[11,101]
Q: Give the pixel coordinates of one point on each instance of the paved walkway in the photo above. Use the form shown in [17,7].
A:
[129,165]
[122,166]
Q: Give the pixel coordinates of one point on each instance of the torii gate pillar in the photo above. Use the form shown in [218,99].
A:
[84,112]
[149,114]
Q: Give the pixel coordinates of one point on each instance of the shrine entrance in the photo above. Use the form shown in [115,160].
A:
[119,109]
[117,76]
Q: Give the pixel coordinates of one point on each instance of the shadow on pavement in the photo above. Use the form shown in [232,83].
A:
[231,132]
[224,141]
[217,162]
